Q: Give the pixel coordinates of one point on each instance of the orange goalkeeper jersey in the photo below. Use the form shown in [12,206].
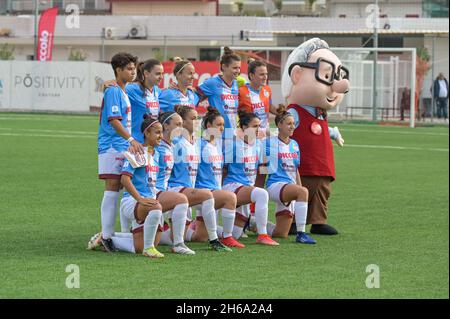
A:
[257,102]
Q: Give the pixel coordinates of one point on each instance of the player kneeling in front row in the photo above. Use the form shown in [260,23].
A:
[209,176]
[243,155]
[183,175]
[283,183]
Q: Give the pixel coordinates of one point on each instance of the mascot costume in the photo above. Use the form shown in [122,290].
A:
[315,81]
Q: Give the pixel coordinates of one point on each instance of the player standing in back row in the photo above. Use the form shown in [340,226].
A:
[222,90]
[114,137]
[256,96]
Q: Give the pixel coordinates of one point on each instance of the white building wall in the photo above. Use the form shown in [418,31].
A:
[353,9]
[164,7]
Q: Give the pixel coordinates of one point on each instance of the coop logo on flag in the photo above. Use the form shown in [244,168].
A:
[45,34]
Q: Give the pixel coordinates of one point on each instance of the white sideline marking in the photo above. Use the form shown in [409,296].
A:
[55,118]
[397,147]
[392,132]
[46,131]
[48,135]
[345,145]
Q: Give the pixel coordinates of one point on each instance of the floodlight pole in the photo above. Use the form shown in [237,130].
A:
[36,14]
[375,62]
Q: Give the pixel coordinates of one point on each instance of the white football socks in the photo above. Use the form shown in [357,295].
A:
[189,233]
[228,216]
[237,232]
[165,238]
[108,213]
[219,231]
[150,227]
[124,243]
[209,217]
[270,228]
[301,211]
[260,197]
[179,216]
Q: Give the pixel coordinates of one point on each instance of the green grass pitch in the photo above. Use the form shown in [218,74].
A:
[390,203]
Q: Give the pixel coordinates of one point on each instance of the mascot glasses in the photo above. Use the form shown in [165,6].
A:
[326,71]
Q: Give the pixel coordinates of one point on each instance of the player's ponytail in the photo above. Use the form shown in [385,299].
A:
[228,57]
[282,114]
[182,110]
[245,118]
[147,65]
[210,116]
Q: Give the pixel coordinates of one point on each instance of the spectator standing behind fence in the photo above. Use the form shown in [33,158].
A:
[440,93]
[405,102]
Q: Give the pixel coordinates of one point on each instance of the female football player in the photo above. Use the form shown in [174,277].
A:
[256,96]
[243,155]
[283,183]
[186,158]
[209,176]
[222,90]
[181,94]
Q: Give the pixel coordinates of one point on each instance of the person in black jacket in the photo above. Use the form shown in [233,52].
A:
[440,93]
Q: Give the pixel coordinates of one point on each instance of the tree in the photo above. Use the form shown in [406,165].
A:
[422,68]
[6,52]
[77,55]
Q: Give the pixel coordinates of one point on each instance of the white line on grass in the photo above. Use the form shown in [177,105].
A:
[346,145]
[397,147]
[392,132]
[53,118]
[47,131]
[48,135]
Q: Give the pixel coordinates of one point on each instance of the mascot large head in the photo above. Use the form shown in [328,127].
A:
[314,76]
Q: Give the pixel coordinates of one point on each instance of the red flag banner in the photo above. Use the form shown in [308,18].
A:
[45,34]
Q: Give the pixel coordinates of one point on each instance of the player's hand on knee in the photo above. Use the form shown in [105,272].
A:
[148,201]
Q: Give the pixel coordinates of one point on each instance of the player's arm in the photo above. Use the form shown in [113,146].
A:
[204,90]
[112,101]
[109,83]
[262,170]
[273,109]
[125,179]
[298,179]
[224,172]
[135,146]
[261,176]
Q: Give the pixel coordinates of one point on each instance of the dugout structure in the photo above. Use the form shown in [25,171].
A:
[396,76]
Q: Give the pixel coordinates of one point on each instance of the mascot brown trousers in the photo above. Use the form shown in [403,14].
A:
[319,188]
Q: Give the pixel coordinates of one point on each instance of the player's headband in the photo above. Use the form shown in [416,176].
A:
[287,114]
[150,125]
[183,67]
[167,118]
